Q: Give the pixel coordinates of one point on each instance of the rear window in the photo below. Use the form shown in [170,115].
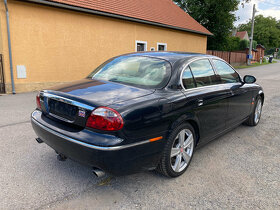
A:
[139,71]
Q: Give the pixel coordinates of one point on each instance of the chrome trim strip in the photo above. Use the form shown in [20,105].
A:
[60,118]
[186,65]
[217,58]
[86,144]
[67,100]
[210,60]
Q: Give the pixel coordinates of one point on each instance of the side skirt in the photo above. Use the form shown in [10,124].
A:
[221,133]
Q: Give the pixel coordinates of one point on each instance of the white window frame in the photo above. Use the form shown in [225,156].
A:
[164,44]
[141,42]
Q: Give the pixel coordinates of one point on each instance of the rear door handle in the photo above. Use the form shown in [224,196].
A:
[200,102]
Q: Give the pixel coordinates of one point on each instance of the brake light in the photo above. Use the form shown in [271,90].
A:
[38,101]
[104,118]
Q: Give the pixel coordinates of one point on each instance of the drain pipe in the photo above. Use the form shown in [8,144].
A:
[10,48]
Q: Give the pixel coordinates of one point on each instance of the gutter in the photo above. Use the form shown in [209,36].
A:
[96,12]
[10,48]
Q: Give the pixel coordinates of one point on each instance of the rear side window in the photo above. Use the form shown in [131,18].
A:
[227,74]
[203,73]
[187,79]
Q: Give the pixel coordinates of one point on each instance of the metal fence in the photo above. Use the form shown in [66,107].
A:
[230,57]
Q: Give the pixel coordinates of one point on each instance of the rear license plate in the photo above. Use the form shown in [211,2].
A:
[62,109]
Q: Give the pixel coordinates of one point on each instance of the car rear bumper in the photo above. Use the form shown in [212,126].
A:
[116,160]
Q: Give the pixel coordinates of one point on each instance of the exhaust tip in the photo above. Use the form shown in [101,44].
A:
[61,157]
[98,172]
[39,140]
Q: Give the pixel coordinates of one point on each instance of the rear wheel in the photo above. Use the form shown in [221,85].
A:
[178,151]
[256,114]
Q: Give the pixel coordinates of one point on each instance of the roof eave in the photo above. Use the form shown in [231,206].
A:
[96,12]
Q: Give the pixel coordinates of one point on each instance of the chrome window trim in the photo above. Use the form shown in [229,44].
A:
[91,146]
[187,64]
[207,87]
[67,100]
[214,69]
[240,78]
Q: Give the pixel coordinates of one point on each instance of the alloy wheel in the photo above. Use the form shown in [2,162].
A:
[182,150]
[258,111]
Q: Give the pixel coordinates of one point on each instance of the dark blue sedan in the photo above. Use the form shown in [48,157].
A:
[146,111]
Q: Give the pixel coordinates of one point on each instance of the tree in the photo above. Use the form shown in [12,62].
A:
[266,32]
[215,15]
[233,44]
[244,44]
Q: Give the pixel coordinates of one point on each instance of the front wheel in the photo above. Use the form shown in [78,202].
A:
[178,151]
[256,114]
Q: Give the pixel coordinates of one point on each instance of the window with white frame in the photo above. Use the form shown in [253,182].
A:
[140,46]
[161,46]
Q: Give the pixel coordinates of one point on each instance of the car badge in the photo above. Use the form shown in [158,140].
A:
[82,113]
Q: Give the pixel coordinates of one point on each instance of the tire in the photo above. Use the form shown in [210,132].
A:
[181,142]
[255,116]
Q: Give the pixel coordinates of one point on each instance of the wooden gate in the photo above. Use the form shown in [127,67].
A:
[2,79]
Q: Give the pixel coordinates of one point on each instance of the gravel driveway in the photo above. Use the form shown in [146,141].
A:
[238,170]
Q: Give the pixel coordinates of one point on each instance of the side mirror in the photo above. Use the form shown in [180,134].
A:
[249,79]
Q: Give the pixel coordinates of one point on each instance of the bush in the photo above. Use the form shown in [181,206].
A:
[244,44]
[233,44]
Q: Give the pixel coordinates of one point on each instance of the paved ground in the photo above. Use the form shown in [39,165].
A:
[238,170]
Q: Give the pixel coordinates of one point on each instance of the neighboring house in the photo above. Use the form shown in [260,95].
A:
[242,35]
[260,53]
[57,41]
[257,53]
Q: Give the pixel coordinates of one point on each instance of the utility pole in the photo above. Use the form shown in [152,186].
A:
[252,33]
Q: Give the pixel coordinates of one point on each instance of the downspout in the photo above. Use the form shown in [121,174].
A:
[10,48]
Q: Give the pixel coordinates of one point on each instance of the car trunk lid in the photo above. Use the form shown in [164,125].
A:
[74,102]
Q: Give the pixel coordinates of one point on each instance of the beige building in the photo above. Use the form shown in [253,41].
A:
[59,41]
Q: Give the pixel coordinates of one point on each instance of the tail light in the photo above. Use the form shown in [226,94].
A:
[104,118]
[38,101]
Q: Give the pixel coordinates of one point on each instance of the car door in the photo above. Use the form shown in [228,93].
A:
[240,99]
[209,98]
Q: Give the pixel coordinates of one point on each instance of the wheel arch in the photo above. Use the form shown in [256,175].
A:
[261,94]
[187,119]
[195,126]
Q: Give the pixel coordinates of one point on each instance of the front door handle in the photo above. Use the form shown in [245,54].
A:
[200,102]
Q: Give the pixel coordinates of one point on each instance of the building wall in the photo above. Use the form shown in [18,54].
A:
[57,45]
[246,37]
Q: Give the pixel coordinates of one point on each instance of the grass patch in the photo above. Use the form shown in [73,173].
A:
[253,65]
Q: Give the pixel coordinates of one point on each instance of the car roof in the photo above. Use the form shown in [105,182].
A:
[171,56]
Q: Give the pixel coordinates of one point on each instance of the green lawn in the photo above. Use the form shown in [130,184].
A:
[253,65]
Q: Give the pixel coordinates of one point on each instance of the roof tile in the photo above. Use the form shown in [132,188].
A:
[157,11]
[241,34]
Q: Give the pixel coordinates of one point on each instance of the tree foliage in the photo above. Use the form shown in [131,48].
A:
[233,44]
[244,44]
[266,32]
[215,15]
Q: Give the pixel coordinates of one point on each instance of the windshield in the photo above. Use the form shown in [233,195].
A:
[137,71]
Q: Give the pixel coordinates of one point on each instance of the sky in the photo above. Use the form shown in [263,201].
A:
[264,7]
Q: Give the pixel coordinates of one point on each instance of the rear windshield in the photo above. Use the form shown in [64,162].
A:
[139,71]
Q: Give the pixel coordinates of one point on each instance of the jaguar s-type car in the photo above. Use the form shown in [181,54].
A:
[146,111]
